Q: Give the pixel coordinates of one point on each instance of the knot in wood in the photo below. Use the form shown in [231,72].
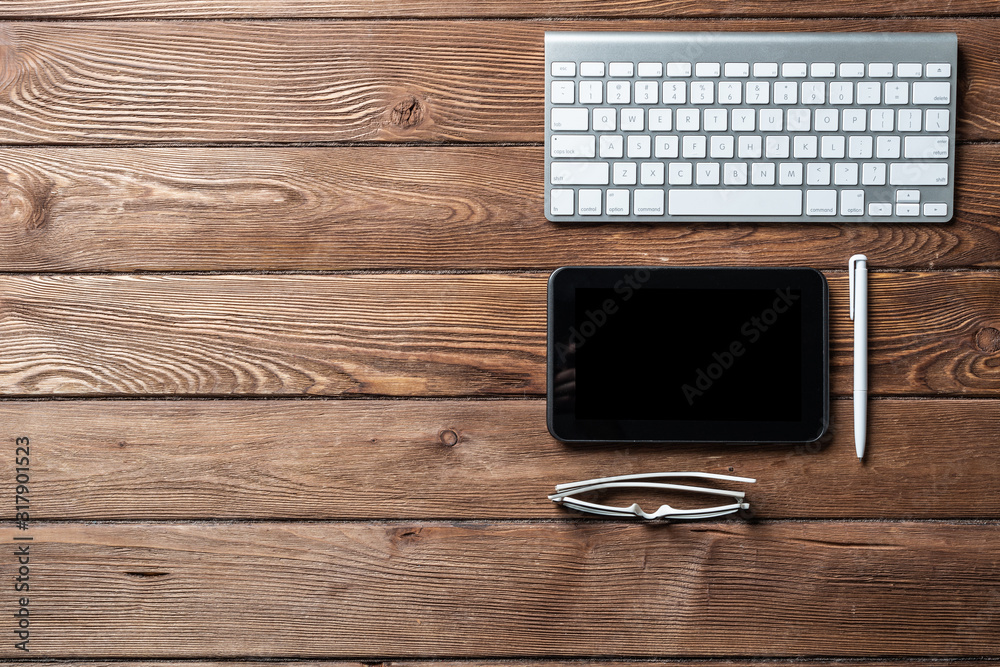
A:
[25,205]
[988,340]
[448,438]
[407,113]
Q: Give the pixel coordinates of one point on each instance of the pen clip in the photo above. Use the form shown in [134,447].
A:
[852,267]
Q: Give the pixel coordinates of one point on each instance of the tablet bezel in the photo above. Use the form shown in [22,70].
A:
[564,424]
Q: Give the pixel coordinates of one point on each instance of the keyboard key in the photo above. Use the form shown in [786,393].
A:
[887,148]
[877,210]
[707,173]
[702,92]
[873,173]
[935,210]
[852,70]
[860,147]
[591,92]
[768,202]
[722,147]
[734,173]
[937,92]
[907,196]
[765,70]
[639,146]
[605,120]
[907,210]
[619,92]
[649,202]
[786,92]
[790,173]
[938,71]
[715,120]
[918,173]
[793,70]
[651,173]
[805,147]
[617,202]
[853,120]
[569,120]
[589,201]
[880,70]
[758,92]
[674,92]
[561,202]
[770,120]
[776,147]
[743,120]
[926,147]
[660,120]
[762,173]
[798,120]
[563,69]
[818,173]
[563,92]
[624,173]
[730,92]
[750,147]
[827,120]
[654,70]
[679,69]
[813,93]
[908,120]
[897,92]
[679,173]
[591,69]
[737,70]
[579,173]
[665,147]
[882,120]
[612,146]
[909,70]
[694,146]
[632,120]
[841,92]
[573,145]
[833,147]
[688,120]
[869,92]
[936,120]
[852,202]
[823,70]
[621,70]
[821,202]
[647,92]
[710,70]
[845,173]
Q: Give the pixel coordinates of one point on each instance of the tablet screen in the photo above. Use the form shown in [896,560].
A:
[687,354]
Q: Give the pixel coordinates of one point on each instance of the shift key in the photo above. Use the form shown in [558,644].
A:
[918,173]
[579,173]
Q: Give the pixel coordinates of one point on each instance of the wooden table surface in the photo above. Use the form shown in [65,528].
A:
[272,321]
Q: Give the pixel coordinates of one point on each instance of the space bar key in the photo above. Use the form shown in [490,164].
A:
[741,203]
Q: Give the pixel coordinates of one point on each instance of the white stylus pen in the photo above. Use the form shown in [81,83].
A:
[858,279]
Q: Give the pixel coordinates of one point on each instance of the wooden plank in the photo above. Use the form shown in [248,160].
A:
[294,81]
[455,459]
[412,335]
[411,207]
[241,9]
[416,589]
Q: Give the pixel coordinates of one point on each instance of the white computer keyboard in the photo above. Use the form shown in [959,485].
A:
[810,127]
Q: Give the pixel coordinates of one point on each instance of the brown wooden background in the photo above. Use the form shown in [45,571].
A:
[272,312]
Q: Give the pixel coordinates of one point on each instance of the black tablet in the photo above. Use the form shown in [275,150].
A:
[658,354]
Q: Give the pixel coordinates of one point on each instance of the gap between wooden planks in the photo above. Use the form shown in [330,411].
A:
[405,207]
[460,459]
[368,81]
[487,589]
[414,335]
[370,9]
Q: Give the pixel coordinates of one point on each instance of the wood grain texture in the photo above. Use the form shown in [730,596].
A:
[459,459]
[413,335]
[409,207]
[311,590]
[242,9]
[295,81]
